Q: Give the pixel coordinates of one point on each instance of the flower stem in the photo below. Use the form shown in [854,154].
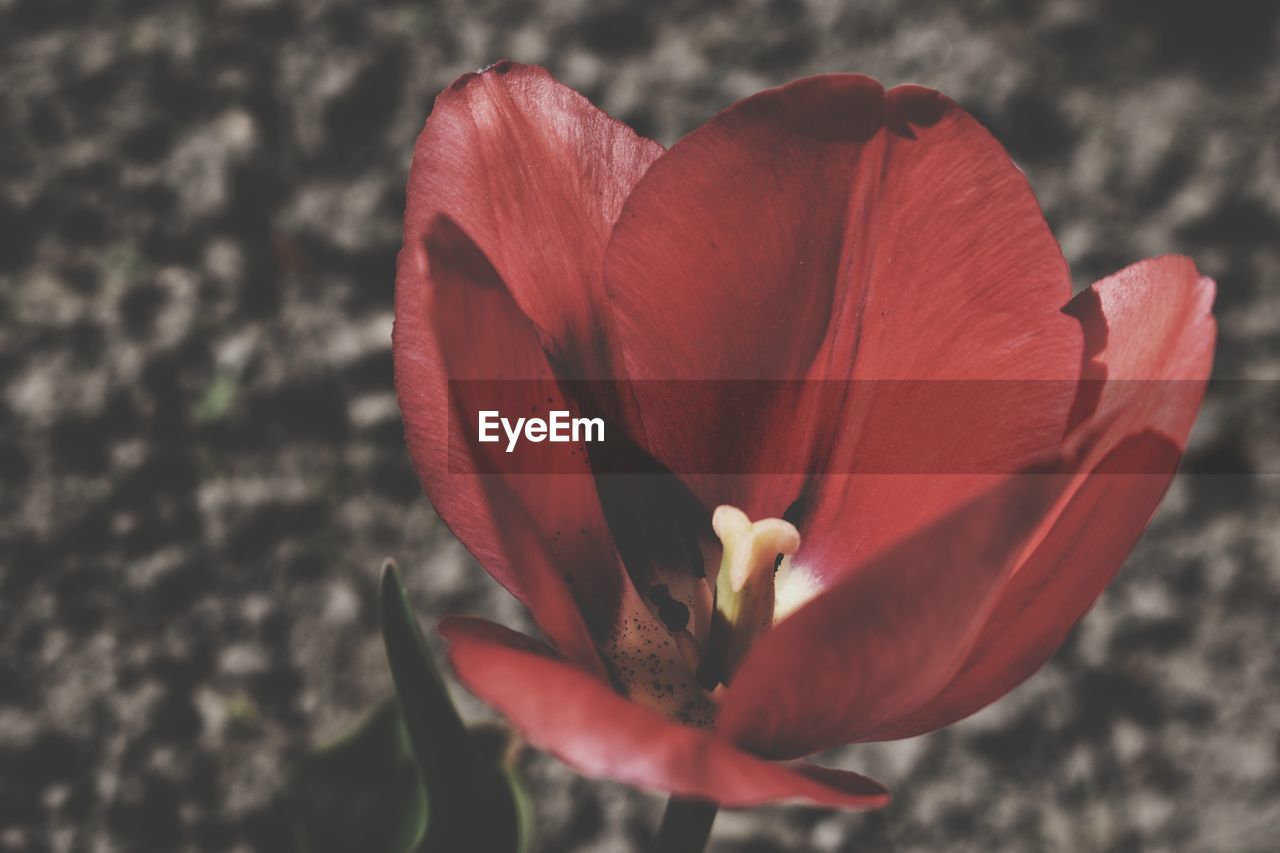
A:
[686,826]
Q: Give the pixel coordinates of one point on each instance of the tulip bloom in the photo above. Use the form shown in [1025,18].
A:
[707,631]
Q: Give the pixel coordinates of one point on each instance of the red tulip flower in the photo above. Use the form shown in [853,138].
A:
[806,574]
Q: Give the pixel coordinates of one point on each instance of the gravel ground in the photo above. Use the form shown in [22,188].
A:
[201,456]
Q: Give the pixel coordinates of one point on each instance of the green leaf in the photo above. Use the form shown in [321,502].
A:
[476,801]
[361,792]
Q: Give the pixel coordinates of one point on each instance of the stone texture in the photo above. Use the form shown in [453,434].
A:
[202,464]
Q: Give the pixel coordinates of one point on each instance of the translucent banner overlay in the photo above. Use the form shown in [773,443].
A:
[831,427]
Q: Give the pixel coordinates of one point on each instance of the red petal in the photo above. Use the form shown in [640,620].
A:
[536,176]
[1150,330]
[886,636]
[515,184]
[827,229]
[580,720]
[455,320]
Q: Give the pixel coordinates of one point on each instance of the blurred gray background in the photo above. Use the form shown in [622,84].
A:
[201,463]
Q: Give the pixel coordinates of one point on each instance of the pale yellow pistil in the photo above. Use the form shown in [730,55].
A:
[753,551]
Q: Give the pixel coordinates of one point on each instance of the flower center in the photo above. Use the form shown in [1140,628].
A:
[747,598]
[676,648]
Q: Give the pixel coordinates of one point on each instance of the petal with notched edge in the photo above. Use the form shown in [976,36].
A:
[1150,337]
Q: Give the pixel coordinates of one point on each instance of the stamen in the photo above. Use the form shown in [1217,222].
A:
[745,596]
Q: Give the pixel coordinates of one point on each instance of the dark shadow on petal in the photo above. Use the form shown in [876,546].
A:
[1087,308]
[654,518]
[913,105]
[845,108]
[451,253]
[1146,452]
